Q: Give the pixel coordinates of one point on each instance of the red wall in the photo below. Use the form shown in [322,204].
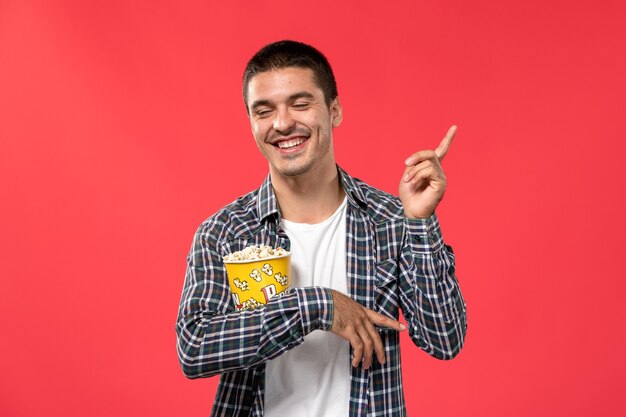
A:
[122,128]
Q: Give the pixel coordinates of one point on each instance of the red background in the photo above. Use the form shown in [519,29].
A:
[122,128]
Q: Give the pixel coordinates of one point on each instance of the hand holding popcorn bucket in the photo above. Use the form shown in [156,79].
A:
[257,274]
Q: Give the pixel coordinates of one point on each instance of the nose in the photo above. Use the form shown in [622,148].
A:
[283,121]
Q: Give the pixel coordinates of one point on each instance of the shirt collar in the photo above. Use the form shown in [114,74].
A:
[267,204]
[352,189]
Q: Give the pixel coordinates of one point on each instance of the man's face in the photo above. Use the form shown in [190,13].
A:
[291,123]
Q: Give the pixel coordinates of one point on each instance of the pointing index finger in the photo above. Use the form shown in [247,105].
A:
[384,321]
[443,147]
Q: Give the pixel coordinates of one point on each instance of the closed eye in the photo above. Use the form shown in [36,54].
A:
[262,112]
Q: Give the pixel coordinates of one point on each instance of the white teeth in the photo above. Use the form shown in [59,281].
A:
[290,143]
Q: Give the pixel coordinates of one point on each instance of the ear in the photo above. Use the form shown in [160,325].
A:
[336,112]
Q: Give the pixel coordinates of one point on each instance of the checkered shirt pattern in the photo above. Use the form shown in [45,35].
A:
[393,263]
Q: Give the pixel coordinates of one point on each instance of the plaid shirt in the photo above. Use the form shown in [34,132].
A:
[392,263]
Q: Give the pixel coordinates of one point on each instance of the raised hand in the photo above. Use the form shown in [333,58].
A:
[355,323]
[423,182]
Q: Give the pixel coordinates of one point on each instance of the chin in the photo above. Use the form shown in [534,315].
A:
[294,171]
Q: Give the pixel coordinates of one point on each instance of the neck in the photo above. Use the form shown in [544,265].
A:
[311,197]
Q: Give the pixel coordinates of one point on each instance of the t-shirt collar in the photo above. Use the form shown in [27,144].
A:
[267,203]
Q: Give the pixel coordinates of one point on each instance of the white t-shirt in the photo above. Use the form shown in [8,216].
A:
[313,379]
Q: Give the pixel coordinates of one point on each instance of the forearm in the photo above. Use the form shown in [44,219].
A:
[211,343]
[432,301]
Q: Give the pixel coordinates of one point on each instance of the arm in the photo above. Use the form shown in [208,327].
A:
[429,291]
[213,338]
[430,295]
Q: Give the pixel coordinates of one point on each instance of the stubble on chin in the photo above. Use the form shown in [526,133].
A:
[293,170]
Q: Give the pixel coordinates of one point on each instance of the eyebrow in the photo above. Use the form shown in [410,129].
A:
[293,97]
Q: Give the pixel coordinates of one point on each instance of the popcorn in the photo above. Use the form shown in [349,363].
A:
[282,279]
[256,252]
[256,275]
[267,268]
[242,285]
[250,304]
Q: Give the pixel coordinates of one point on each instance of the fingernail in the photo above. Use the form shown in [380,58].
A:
[408,161]
[406,177]
[402,326]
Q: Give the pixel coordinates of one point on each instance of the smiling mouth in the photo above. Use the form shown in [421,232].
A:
[291,143]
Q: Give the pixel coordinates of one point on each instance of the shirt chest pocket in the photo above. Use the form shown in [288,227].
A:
[386,288]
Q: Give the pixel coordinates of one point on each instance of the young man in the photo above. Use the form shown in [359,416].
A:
[330,347]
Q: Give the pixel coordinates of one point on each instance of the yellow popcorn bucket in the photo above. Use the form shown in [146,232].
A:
[254,282]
